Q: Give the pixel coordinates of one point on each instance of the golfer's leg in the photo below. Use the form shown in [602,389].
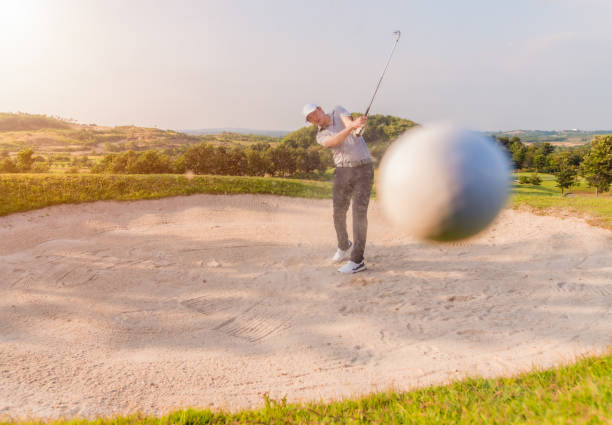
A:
[361,200]
[342,199]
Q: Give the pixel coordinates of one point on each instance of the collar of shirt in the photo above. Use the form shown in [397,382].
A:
[332,115]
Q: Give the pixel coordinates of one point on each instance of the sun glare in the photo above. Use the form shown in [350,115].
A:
[15,19]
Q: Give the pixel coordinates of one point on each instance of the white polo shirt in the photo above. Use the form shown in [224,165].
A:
[353,151]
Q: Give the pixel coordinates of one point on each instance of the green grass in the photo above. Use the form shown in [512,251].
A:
[576,394]
[23,192]
[547,199]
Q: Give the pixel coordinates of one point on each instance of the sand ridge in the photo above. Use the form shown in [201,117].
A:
[214,301]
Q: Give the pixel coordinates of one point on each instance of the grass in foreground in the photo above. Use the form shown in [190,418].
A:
[547,199]
[577,394]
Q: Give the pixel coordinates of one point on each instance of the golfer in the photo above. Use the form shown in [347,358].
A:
[353,178]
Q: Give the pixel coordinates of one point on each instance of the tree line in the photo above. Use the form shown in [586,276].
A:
[298,154]
[261,159]
[258,160]
[26,162]
[592,161]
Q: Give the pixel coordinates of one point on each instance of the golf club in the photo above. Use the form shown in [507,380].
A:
[397,34]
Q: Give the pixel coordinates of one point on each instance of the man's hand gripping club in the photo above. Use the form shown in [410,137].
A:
[350,125]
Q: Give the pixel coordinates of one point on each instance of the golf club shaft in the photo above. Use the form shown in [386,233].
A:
[360,130]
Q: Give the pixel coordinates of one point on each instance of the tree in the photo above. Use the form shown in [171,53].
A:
[566,176]
[257,162]
[529,153]
[539,162]
[221,162]
[518,154]
[597,164]
[237,162]
[283,160]
[8,166]
[326,160]
[303,137]
[384,128]
[105,165]
[200,158]
[178,165]
[301,160]
[25,160]
[151,162]
[314,159]
[124,163]
[546,148]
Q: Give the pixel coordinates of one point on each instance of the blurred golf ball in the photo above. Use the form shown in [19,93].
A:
[442,183]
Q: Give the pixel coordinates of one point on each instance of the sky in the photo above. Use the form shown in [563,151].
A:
[488,65]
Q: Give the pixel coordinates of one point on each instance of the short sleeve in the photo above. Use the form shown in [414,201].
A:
[341,110]
[322,136]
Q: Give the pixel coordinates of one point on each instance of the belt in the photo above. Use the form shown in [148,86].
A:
[357,163]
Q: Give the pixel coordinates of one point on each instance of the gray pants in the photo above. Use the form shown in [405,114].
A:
[356,183]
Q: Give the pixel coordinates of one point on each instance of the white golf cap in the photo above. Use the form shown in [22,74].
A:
[308,108]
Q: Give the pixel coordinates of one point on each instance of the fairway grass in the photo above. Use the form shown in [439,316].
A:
[580,393]
[546,199]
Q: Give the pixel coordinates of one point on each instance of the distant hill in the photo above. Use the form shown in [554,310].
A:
[53,135]
[24,122]
[56,136]
[269,133]
[554,137]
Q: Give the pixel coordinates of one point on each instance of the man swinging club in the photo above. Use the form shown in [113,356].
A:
[353,178]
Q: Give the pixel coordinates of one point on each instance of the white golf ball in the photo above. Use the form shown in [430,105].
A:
[441,183]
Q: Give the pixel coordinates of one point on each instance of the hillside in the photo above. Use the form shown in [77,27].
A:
[250,131]
[22,122]
[51,135]
[56,136]
[554,137]
[55,145]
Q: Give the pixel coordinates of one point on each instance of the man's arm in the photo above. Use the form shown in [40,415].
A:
[349,125]
[346,120]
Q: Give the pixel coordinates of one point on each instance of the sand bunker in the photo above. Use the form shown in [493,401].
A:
[214,301]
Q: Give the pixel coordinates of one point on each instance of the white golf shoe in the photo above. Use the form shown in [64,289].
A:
[352,267]
[341,255]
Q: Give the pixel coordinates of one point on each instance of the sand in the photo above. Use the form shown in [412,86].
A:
[214,301]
